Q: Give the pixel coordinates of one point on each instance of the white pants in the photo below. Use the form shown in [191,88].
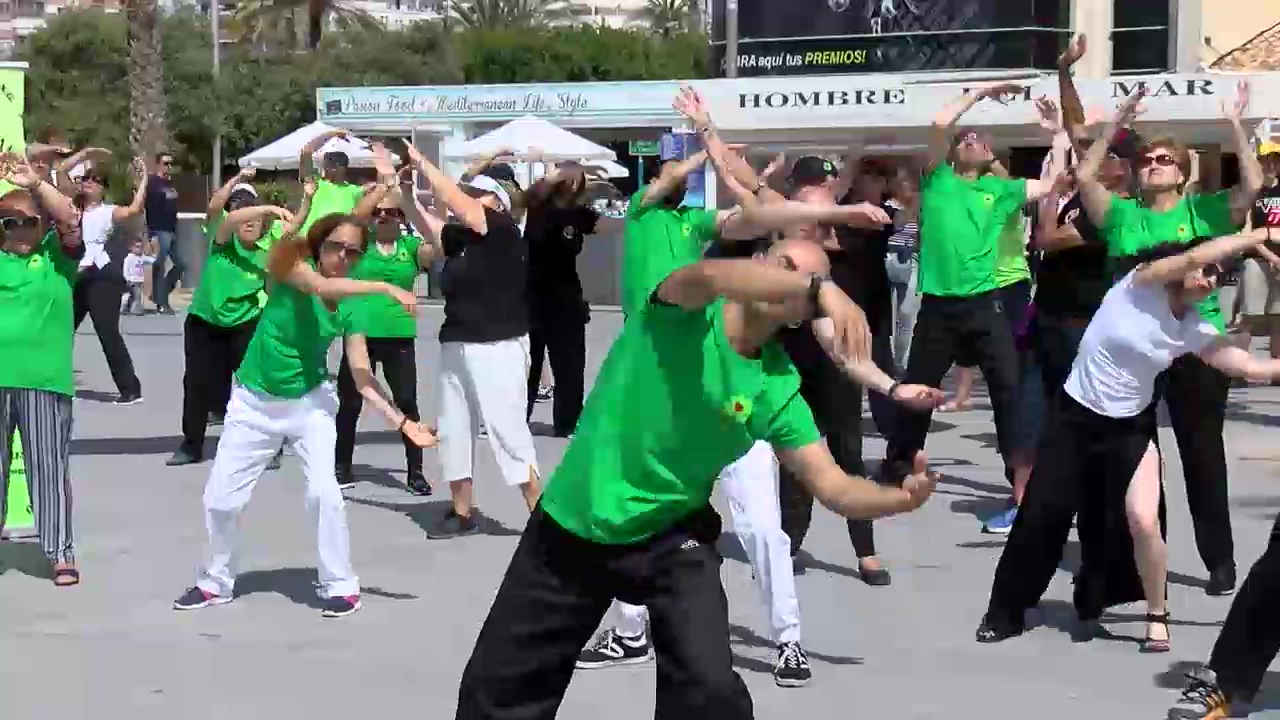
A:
[256,425]
[486,382]
[751,486]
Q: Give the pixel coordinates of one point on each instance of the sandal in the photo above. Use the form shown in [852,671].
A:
[66,576]
[1152,645]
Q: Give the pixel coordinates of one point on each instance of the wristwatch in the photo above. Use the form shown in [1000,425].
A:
[815,289]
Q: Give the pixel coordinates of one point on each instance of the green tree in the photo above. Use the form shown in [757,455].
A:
[495,14]
[269,23]
[148,131]
[667,17]
[578,54]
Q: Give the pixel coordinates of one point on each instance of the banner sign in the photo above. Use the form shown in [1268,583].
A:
[12,103]
[810,37]
[18,520]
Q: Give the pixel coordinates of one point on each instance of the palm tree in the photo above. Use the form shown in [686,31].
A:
[492,14]
[148,129]
[667,17]
[268,22]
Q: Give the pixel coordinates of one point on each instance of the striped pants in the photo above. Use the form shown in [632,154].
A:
[44,420]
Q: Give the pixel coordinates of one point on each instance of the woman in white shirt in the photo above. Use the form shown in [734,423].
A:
[100,284]
[1099,455]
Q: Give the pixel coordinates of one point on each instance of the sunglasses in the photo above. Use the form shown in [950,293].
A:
[970,138]
[348,252]
[1212,271]
[1147,161]
[25,222]
[388,214]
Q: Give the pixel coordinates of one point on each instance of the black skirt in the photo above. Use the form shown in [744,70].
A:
[1084,465]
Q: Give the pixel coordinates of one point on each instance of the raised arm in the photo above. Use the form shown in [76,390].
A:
[294,226]
[1252,178]
[306,156]
[248,214]
[467,209]
[1172,268]
[357,357]
[124,212]
[782,215]
[219,200]
[62,170]
[727,162]
[482,163]
[944,125]
[1095,197]
[852,496]
[1073,117]
[388,179]
[59,206]
[288,265]
[671,177]
[1240,363]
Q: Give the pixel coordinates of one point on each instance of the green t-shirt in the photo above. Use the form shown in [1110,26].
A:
[673,405]
[663,235]
[1130,227]
[960,225]
[288,355]
[1011,253]
[231,290]
[331,199]
[381,316]
[37,328]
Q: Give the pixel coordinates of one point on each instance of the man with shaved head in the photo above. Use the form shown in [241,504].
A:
[627,512]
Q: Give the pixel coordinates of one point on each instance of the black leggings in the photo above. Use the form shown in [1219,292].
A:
[1250,635]
[212,355]
[400,368]
[97,294]
[564,340]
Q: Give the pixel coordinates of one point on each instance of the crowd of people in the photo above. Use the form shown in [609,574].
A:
[1084,297]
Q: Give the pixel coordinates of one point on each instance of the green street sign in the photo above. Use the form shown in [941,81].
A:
[644,148]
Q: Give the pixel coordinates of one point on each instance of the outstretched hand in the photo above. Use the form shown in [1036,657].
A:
[921,483]
[419,434]
[690,104]
[918,397]
[1235,111]
[851,335]
[1076,49]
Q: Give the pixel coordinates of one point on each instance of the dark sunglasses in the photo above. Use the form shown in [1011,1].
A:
[12,223]
[348,252]
[969,137]
[1212,271]
[1147,161]
[388,214]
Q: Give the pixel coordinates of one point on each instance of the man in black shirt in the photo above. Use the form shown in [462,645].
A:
[1259,285]
[857,267]
[162,227]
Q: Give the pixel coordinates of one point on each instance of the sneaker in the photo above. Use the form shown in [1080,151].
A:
[195,599]
[792,666]
[183,456]
[453,525]
[217,418]
[346,478]
[165,310]
[994,630]
[1002,522]
[336,607]
[1202,699]
[612,649]
[546,392]
[275,461]
[129,398]
[1221,582]
[417,484]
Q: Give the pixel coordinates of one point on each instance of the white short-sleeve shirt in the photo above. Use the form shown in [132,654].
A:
[95,228]
[1131,340]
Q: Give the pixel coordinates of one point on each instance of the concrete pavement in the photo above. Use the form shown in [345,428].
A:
[113,648]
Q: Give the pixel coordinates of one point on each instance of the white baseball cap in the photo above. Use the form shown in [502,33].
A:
[484,183]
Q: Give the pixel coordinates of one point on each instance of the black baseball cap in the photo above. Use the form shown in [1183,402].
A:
[336,159]
[812,170]
[501,171]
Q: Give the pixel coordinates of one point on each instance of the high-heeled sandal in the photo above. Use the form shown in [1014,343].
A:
[1152,645]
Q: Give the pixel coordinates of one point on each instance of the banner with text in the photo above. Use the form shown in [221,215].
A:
[810,37]
[12,102]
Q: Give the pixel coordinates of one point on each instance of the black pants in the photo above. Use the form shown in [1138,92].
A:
[1196,395]
[969,331]
[400,368]
[1057,340]
[1084,465]
[836,402]
[564,339]
[1250,635]
[212,354]
[97,294]
[558,588]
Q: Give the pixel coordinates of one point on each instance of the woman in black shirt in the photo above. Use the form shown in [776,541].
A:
[484,341]
[557,222]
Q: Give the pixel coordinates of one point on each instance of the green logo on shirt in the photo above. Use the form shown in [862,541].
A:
[738,408]
[1184,231]
[36,262]
[989,199]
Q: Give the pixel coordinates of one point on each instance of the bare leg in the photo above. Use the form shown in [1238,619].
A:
[964,388]
[1142,505]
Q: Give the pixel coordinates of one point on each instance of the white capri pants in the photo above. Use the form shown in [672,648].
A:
[751,486]
[489,382]
[256,425]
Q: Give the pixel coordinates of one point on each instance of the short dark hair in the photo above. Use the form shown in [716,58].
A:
[162,155]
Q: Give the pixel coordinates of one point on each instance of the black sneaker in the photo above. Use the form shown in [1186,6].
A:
[275,461]
[165,310]
[992,630]
[1221,582]
[453,525]
[337,607]
[792,666]
[1202,699]
[195,599]
[612,649]
[183,456]
[417,483]
[346,478]
[129,398]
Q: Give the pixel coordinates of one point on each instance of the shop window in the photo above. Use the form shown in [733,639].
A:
[1141,36]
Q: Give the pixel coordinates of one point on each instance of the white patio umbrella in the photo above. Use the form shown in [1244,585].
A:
[283,153]
[524,134]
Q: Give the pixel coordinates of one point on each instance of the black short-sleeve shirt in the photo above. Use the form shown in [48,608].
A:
[483,281]
[1072,282]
